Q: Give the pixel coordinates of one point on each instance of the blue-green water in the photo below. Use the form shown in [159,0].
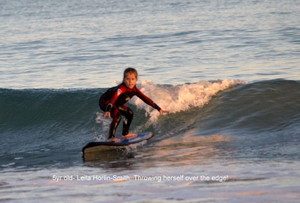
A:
[228,72]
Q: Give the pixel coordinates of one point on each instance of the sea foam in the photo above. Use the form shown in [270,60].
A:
[181,97]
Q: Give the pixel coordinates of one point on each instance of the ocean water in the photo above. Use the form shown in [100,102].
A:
[228,72]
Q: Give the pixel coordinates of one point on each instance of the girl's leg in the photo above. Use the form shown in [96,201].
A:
[116,118]
[127,112]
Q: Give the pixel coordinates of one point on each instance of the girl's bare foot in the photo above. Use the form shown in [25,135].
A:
[113,139]
[129,136]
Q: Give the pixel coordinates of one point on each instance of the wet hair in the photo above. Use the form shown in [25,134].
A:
[130,70]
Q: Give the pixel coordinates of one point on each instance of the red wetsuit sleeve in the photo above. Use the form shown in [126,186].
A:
[147,100]
[114,98]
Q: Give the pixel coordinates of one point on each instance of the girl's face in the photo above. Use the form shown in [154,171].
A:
[130,80]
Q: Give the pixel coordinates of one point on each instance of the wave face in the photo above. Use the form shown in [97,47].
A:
[270,105]
[44,127]
[41,127]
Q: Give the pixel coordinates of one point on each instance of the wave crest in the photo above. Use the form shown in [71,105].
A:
[181,97]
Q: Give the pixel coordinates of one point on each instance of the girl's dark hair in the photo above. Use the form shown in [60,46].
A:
[130,70]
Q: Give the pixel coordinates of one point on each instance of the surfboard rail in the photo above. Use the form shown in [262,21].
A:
[123,143]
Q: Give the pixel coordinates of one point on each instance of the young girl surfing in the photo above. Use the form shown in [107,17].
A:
[112,102]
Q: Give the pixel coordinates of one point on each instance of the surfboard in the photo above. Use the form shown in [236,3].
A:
[123,143]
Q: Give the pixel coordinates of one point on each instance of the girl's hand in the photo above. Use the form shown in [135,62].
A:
[163,111]
[107,114]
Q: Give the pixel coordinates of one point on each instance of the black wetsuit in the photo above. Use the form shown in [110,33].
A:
[113,101]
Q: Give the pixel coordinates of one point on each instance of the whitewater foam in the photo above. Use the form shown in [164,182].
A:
[181,97]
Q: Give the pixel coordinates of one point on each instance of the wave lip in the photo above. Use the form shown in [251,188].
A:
[182,97]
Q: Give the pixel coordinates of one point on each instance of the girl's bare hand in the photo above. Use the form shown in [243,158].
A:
[163,111]
[107,114]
